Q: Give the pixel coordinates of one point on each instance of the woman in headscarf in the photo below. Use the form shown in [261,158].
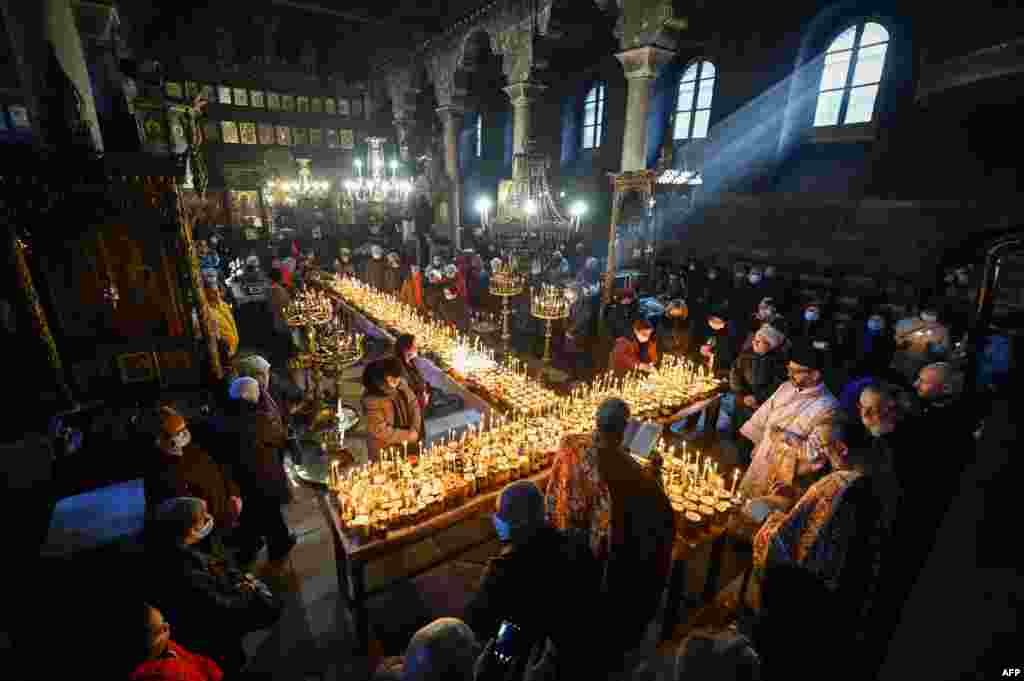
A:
[393,414]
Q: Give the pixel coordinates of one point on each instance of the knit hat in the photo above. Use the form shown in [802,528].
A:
[521,505]
[245,388]
[771,335]
[612,416]
[171,422]
[806,355]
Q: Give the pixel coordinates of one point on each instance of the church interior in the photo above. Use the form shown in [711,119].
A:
[473,339]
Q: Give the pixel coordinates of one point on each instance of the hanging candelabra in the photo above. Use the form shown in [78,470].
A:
[506,282]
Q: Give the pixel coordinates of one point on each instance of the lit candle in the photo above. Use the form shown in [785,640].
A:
[735,480]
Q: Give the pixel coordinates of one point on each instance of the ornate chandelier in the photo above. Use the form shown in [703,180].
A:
[306,188]
[527,199]
[377,185]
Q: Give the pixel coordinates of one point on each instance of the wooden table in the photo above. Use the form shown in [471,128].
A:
[352,558]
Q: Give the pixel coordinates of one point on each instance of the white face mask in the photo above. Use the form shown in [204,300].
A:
[929,317]
[876,323]
[811,315]
[754,279]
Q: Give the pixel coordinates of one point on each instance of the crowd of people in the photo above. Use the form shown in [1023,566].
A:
[825,415]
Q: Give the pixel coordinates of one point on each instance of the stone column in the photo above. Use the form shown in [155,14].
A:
[641,66]
[522,95]
[404,128]
[451,117]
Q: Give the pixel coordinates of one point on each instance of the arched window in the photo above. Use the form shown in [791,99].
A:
[593,117]
[479,135]
[853,71]
[693,106]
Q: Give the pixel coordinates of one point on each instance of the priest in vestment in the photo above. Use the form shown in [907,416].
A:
[791,433]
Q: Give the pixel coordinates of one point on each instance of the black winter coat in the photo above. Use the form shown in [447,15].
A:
[758,375]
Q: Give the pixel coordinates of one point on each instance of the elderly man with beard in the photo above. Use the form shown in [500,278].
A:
[792,432]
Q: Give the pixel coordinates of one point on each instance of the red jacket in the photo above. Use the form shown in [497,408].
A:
[177,664]
[626,354]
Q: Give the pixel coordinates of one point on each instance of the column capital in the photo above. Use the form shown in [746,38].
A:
[644,62]
[450,112]
[524,92]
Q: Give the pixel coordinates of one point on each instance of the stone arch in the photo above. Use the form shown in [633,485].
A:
[473,48]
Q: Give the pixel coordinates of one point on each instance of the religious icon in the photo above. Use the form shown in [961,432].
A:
[273,101]
[300,136]
[346,139]
[266,131]
[137,367]
[173,90]
[302,104]
[229,132]
[283,135]
[256,98]
[247,131]
[223,94]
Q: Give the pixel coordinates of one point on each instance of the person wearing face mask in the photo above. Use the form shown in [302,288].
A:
[411,292]
[639,350]
[755,376]
[253,439]
[919,341]
[813,326]
[453,308]
[406,353]
[180,467]
[559,607]
[392,281]
[393,414]
[839,531]
[745,301]
[875,347]
[791,432]
[210,602]
[344,265]
[375,268]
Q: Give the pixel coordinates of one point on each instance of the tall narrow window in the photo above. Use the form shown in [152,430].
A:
[593,117]
[479,135]
[851,75]
[693,105]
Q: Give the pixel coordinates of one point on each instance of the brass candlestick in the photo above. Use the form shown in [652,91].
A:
[506,282]
[308,310]
[549,303]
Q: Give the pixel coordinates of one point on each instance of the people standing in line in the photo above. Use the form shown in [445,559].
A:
[257,439]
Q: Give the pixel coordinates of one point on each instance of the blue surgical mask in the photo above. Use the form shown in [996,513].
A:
[503,529]
[875,324]
[811,315]
[206,529]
